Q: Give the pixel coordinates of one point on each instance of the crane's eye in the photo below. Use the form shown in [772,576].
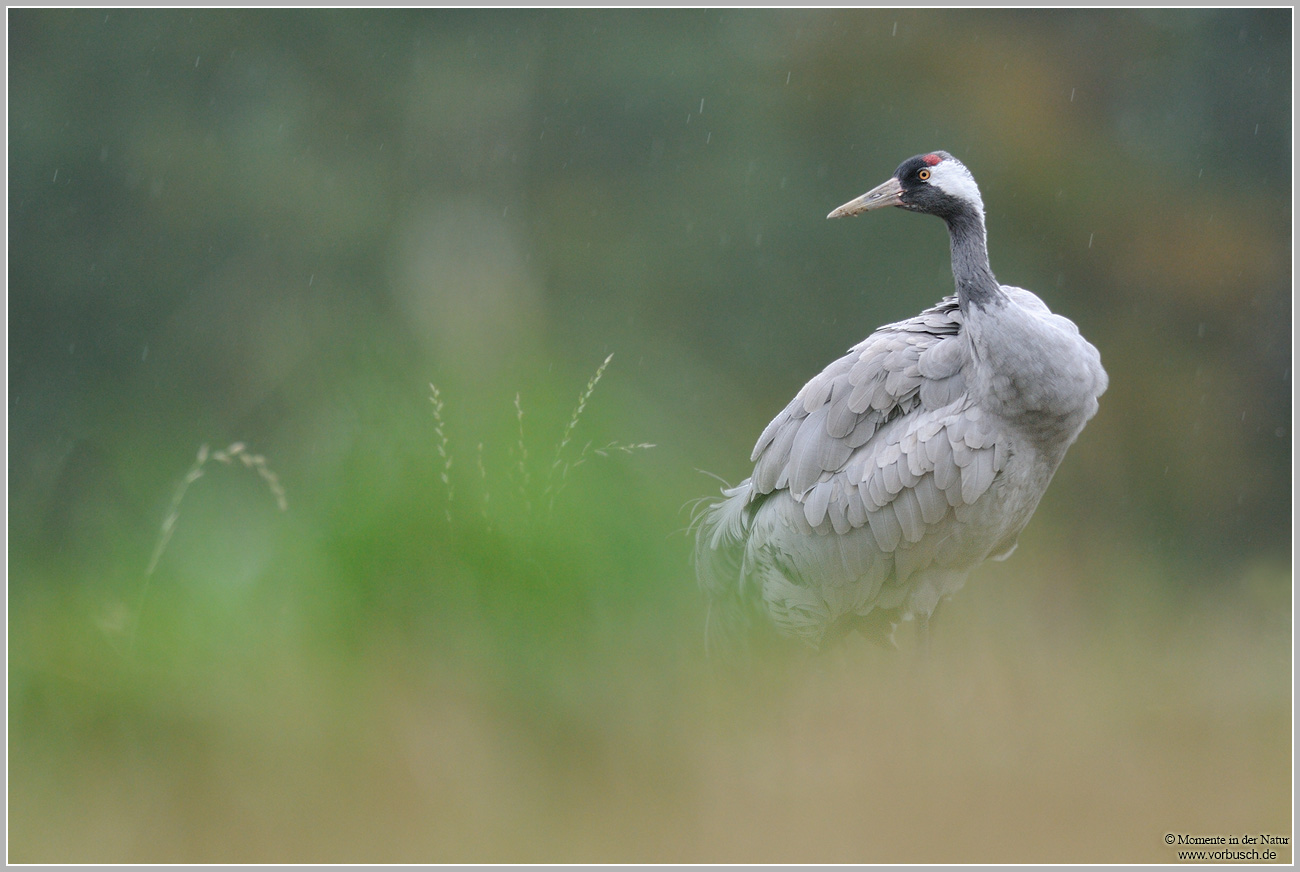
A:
[923,175]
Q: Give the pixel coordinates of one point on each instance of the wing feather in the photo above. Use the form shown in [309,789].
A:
[814,506]
[855,510]
[863,430]
[886,529]
[773,460]
[837,508]
[939,450]
[936,393]
[908,510]
[976,478]
[842,418]
[932,502]
[817,392]
[875,497]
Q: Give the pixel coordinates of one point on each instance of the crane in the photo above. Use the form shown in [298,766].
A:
[910,460]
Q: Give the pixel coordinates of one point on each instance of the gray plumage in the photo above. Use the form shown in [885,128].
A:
[913,458]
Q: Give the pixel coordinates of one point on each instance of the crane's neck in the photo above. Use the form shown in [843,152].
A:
[976,285]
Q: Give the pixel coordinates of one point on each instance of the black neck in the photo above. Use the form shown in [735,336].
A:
[976,285]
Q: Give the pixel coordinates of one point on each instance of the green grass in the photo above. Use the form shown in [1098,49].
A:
[506,664]
[1032,736]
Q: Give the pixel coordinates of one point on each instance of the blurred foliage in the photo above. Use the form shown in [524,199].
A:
[278,227]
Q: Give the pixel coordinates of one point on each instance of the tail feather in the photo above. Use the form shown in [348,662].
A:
[721,534]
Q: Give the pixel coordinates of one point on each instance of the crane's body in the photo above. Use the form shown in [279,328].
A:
[918,455]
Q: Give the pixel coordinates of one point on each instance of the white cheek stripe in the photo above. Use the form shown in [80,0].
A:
[954,179]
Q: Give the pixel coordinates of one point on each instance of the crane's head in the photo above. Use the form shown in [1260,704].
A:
[935,183]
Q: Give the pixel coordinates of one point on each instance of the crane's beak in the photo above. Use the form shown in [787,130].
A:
[888,194]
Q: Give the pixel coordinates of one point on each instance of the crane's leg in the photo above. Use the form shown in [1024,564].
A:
[923,631]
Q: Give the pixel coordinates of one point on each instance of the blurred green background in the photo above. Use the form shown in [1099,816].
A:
[474,632]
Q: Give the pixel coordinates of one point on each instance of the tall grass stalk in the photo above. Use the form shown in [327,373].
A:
[557,475]
[236,451]
[445,473]
[573,420]
[522,481]
[482,475]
